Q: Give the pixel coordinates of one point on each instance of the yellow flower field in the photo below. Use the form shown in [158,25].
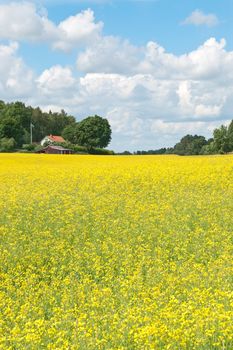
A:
[116,252]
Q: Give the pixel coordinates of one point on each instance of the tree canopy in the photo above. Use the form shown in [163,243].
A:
[190,144]
[91,132]
[15,120]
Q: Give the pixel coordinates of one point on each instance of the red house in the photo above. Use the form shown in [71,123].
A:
[52,139]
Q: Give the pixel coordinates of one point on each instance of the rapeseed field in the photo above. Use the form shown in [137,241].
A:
[116,252]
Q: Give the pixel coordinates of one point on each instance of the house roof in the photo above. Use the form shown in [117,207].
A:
[59,148]
[56,138]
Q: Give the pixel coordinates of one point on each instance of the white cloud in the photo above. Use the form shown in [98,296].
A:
[109,54]
[20,21]
[56,78]
[16,79]
[78,29]
[199,18]
[23,22]
[113,55]
[144,111]
[151,97]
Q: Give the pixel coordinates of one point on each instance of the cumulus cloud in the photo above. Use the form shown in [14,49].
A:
[79,29]
[113,55]
[23,22]
[56,78]
[150,96]
[144,111]
[16,79]
[147,109]
[199,18]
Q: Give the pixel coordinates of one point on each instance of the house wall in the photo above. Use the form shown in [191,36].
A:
[45,139]
[53,151]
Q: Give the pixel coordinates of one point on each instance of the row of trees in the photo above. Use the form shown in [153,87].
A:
[220,143]
[191,145]
[16,119]
[92,132]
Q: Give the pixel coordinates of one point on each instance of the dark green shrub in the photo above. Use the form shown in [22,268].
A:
[7,144]
[29,147]
[101,151]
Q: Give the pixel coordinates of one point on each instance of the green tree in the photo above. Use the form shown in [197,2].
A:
[230,136]
[221,139]
[208,149]
[93,131]
[7,144]
[49,123]
[69,133]
[190,145]
[11,127]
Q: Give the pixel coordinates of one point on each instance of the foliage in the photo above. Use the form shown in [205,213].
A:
[125,153]
[116,252]
[221,143]
[7,144]
[93,132]
[29,146]
[101,151]
[49,123]
[38,148]
[190,145]
[11,127]
[221,139]
[69,133]
[15,120]
[210,148]
[79,149]
[230,135]
[169,150]
[157,151]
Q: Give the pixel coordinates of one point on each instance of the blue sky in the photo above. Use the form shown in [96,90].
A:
[156,69]
[140,22]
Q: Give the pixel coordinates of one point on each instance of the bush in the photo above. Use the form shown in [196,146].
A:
[79,149]
[125,153]
[7,144]
[29,147]
[38,148]
[101,151]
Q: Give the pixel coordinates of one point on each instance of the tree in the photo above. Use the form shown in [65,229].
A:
[7,144]
[11,127]
[93,131]
[49,123]
[230,136]
[190,145]
[221,139]
[69,133]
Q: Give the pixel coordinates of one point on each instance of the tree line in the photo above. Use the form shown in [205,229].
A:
[16,120]
[92,134]
[220,143]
